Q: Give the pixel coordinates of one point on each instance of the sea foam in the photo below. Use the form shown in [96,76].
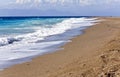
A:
[21,48]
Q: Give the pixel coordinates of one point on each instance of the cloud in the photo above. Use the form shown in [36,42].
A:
[53,7]
[85,2]
[80,2]
[64,3]
[22,1]
[35,1]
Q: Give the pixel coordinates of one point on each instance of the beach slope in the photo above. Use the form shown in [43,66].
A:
[96,53]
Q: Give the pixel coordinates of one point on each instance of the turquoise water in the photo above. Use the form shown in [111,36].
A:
[15,26]
[22,38]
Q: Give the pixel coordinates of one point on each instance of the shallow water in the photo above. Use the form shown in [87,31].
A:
[24,38]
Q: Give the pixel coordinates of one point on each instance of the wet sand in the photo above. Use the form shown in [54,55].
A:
[96,53]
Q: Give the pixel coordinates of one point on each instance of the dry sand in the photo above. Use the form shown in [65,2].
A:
[96,53]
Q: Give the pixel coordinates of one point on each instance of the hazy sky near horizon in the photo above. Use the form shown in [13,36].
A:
[60,7]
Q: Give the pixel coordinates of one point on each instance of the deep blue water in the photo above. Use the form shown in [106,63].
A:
[19,25]
[22,38]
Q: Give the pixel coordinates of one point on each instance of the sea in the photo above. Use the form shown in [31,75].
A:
[23,38]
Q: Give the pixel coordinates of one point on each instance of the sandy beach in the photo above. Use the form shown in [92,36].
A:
[96,53]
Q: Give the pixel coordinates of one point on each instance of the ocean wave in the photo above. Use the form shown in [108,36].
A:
[44,32]
[21,48]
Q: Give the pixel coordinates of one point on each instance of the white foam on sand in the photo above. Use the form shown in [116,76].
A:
[21,48]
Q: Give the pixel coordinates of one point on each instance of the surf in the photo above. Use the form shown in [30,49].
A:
[45,39]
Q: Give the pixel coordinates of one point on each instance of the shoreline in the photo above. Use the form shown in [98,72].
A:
[53,38]
[76,59]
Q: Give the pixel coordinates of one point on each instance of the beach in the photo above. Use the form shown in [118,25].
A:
[95,53]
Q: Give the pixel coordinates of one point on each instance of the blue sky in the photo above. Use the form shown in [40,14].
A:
[59,7]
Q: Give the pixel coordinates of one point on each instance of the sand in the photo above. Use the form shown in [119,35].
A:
[96,53]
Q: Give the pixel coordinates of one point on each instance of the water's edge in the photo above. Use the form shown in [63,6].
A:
[50,49]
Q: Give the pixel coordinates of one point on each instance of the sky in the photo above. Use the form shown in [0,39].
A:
[59,7]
